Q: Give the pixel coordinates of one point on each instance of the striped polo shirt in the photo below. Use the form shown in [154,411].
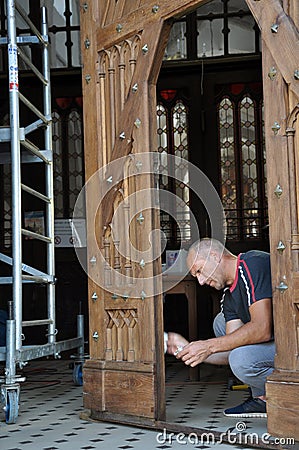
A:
[251,284]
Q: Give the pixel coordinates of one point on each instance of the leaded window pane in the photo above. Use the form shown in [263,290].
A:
[243,164]
[172,135]
[58,168]
[228,166]
[68,156]
[176,46]
[75,158]
[76,50]
[210,38]
[227,146]
[249,166]
[241,37]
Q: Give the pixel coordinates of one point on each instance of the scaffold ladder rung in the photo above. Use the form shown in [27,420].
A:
[35,193]
[33,235]
[35,150]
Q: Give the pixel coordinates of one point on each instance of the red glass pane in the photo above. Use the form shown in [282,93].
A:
[64,102]
[237,88]
[168,94]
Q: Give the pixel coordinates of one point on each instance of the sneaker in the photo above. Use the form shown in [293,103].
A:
[252,407]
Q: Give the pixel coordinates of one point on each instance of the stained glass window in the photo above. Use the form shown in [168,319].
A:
[68,154]
[227,160]
[243,164]
[172,134]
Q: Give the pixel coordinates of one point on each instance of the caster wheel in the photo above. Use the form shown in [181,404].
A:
[12,407]
[78,375]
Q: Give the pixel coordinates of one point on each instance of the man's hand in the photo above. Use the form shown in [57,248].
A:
[195,353]
[175,342]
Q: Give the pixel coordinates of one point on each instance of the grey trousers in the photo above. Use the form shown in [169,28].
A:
[251,364]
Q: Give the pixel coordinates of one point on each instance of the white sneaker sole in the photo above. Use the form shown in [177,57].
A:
[246,415]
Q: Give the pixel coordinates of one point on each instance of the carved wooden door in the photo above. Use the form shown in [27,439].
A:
[122,48]
[122,52]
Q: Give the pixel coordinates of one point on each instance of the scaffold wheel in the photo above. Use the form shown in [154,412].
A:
[12,406]
[78,375]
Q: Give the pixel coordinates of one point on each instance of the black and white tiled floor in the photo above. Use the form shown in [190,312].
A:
[51,410]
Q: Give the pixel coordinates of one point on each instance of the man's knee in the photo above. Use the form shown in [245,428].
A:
[237,360]
[248,361]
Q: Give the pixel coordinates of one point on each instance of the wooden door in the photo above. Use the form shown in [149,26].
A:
[122,48]
[122,52]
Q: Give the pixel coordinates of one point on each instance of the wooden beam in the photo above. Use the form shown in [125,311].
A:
[137,19]
[282,44]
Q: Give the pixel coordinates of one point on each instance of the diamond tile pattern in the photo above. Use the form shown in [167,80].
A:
[51,406]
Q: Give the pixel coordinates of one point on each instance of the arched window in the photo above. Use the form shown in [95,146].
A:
[68,154]
[172,133]
[242,161]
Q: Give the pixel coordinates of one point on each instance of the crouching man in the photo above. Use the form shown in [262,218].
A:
[243,328]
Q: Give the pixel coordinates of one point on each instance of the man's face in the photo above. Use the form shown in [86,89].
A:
[207,270]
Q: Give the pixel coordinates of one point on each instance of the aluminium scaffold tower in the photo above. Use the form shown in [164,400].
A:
[17,149]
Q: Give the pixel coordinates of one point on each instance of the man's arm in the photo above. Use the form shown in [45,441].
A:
[258,330]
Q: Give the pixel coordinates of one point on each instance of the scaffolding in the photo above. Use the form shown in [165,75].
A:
[17,149]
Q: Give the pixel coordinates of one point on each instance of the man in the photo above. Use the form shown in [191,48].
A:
[243,328]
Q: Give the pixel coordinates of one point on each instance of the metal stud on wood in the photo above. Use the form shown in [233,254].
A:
[278,191]
[95,336]
[282,287]
[137,123]
[145,49]
[85,7]
[140,219]
[280,247]
[93,260]
[272,73]
[275,127]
